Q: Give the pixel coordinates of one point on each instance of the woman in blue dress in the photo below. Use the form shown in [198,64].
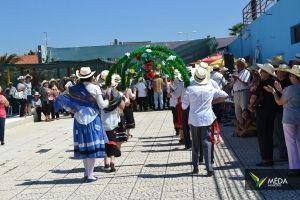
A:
[85,101]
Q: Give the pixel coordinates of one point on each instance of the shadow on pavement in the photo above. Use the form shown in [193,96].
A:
[54,182]
[168,164]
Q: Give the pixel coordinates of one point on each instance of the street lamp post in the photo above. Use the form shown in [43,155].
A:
[187,34]
[46,38]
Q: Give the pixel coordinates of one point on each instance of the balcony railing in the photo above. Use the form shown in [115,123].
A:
[256,8]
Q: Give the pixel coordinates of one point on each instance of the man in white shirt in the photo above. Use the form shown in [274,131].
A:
[199,96]
[142,95]
[241,81]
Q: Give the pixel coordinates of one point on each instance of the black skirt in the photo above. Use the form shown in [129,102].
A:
[111,147]
[128,117]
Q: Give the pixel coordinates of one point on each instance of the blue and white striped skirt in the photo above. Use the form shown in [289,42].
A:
[89,140]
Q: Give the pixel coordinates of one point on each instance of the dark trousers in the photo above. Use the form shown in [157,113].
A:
[151,99]
[22,103]
[39,113]
[174,113]
[2,128]
[279,140]
[143,105]
[186,128]
[201,139]
[265,127]
[166,100]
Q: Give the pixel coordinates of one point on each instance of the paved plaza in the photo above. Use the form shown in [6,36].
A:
[37,163]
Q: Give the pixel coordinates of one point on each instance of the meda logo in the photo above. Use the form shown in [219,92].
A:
[258,181]
[277,182]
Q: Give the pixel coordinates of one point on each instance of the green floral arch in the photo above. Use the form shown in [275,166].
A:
[162,57]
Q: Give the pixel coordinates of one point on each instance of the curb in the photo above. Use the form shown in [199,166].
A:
[18,122]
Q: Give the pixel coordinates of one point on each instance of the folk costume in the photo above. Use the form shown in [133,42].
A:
[85,100]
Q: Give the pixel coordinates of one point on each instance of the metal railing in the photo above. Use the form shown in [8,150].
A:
[256,8]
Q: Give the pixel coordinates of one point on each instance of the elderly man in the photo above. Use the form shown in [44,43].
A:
[241,80]
[199,96]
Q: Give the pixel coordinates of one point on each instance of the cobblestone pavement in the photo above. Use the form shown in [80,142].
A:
[37,163]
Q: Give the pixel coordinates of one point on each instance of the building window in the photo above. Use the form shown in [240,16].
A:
[295,33]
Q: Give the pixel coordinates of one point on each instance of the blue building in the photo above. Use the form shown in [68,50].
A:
[273,30]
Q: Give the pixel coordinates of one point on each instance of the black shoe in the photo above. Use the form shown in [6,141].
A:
[265,164]
[195,170]
[210,173]
[106,167]
[200,160]
[2,143]
[112,167]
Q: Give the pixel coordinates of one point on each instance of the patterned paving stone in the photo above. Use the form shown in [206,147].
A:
[40,165]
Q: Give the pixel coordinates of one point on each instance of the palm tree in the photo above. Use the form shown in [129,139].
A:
[236,29]
[5,60]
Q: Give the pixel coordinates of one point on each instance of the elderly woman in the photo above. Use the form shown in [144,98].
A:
[3,104]
[86,101]
[291,115]
[266,108]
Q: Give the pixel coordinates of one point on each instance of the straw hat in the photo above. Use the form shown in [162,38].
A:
[20,78]
[116,77]
[295,70]
[44,81]
[177,75]
[102,76]
[84,72]
[268,68]
[223,69]
[277,60]
[200,76]
[242,60]
[283,68]
[28,76]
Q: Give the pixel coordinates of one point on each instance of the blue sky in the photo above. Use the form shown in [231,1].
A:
[98,22]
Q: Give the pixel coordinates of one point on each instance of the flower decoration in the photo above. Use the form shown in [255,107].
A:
[127,54]
[171,57]
[148,50]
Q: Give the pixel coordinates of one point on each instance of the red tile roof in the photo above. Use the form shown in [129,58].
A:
[28,59]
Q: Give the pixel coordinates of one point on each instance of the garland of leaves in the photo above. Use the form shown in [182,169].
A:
[169,61]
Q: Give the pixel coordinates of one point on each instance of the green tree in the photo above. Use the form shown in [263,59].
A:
[5,60]
[236,29]
[31,52]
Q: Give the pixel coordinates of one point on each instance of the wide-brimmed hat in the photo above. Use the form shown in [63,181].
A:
[201,76]
[177,75]
[102,76]
[297,57]
[282,68]
[20,78]
[268,68]
[116,77]
[28,76]
[277,60]
[84,72]
[295,70]
[242,60]
[36,94]
[52,79]
[44,81]
[223,69]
